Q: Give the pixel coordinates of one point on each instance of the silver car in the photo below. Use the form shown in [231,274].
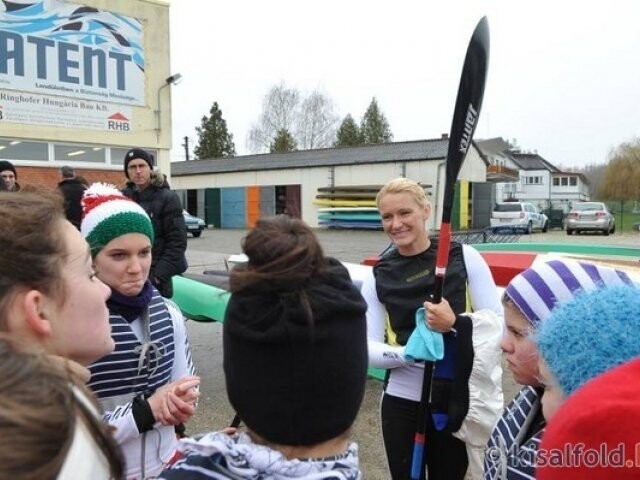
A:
[590,216]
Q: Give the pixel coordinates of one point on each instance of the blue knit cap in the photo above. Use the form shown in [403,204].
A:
[537,290]
[590,334]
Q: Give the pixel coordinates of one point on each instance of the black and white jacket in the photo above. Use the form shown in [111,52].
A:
[138,367]
[515,440]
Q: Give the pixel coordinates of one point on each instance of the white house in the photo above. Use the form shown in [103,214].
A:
[546,186]
[538,181]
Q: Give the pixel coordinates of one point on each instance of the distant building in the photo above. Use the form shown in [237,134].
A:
[538,181]
[233,192]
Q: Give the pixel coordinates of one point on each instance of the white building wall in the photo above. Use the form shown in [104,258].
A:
[311,179]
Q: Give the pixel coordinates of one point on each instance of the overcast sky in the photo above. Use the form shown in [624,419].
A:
[564,75]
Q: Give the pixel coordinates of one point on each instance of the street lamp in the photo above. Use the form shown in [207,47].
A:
[172,80]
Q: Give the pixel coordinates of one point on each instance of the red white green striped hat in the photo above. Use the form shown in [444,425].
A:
[108,214]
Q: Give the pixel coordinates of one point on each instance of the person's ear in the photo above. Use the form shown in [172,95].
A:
[427,211]
[39,310]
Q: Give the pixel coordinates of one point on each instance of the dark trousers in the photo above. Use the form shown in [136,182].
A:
[445,455]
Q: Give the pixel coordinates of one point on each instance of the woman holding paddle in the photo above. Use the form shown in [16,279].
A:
[402,283]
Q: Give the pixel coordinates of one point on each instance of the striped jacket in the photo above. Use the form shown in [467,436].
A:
[139,366]
[510,454]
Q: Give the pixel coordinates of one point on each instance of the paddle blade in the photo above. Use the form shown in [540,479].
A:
[467,109]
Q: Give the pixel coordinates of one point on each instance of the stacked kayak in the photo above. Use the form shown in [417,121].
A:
[351,207]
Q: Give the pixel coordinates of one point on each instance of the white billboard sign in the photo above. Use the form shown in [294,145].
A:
[55,47]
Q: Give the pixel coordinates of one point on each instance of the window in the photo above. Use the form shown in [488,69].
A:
[117,155]
[18,150]
[573,181]
[556,182]
[78,153]
[533,180]
[13,149]
[565,181]
[507,207]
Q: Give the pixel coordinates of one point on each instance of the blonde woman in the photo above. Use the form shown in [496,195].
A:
[402,282]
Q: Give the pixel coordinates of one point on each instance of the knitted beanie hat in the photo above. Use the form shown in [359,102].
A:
[537,290]
[590,334]
[138,153]
[294,379]
[108,214]
[594,434]
[5,165]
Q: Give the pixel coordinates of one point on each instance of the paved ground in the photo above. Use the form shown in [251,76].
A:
[214,246]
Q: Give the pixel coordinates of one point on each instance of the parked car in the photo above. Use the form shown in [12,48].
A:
[194,224]
[522,216]
[586,216]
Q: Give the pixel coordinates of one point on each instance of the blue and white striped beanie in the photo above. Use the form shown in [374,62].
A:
[538,289]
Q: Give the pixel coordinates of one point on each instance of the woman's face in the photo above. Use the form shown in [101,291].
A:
[521,353]
[82,331]
[403,220]
[124,263]
[553,396]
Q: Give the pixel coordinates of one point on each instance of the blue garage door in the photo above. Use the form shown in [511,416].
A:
[234,211]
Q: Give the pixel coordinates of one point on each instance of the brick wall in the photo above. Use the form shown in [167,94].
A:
[50,176]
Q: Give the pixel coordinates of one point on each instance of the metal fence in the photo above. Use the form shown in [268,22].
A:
[484,236]
[470,237]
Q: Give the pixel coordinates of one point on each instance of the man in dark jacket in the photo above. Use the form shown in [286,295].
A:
[151,190]
[9,176]
[72,189]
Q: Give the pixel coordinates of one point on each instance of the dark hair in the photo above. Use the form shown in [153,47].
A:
[39,408]
[32,245]
[283,253]
[67,172]
[294,338]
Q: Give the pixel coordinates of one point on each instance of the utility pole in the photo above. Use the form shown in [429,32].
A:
[186,147]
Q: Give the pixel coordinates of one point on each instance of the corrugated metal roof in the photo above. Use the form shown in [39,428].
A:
[378,153]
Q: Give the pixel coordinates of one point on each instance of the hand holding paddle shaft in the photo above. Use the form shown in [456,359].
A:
[463,125]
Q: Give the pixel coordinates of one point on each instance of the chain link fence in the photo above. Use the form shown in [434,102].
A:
[485,236]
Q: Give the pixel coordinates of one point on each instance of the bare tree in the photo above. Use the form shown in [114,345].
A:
[278,113]
[316,122]
[311,120]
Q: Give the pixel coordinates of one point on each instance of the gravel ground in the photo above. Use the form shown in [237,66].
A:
[214,412]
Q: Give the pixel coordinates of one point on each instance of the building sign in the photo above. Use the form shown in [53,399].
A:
[55,47]
[31,108]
